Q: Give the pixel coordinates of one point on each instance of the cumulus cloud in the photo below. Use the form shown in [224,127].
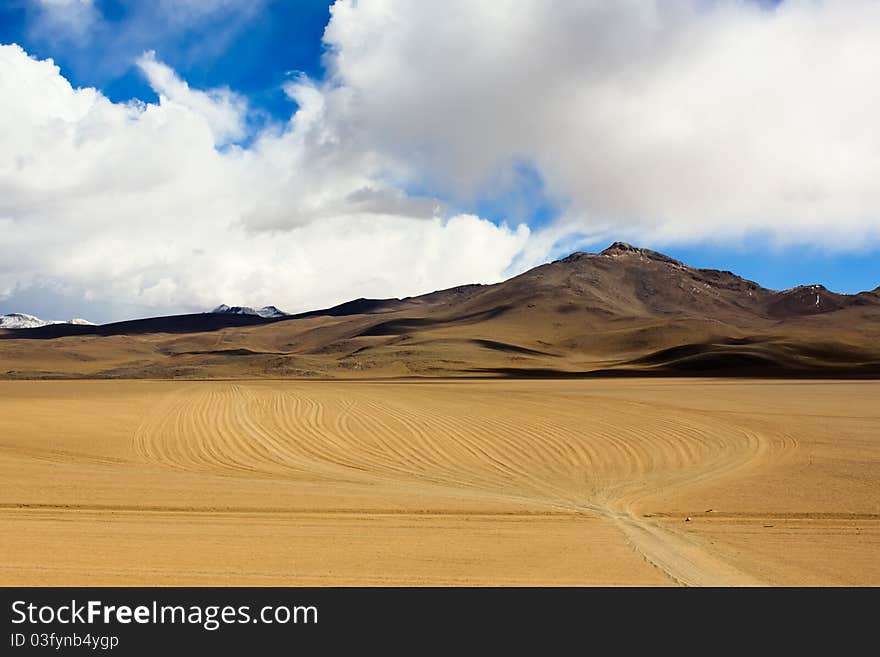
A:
[670,121]
[134,203]
[224,110]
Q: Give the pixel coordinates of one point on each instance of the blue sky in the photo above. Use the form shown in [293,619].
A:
[252,52]
[255,49]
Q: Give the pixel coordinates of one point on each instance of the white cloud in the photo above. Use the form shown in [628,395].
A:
[133,204]
[224,110]
[671,121]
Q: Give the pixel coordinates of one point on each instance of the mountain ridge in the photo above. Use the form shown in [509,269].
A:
[367,305]
[624,310]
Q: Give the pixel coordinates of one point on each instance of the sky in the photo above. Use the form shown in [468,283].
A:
[166,157]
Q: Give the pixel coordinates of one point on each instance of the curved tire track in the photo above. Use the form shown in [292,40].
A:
[609,461]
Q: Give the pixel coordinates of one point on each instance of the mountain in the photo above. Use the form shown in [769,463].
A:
[265,311]
[623,311]
[25,321]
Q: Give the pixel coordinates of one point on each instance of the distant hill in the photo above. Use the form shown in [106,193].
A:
[623,311]
[25,321]
[265,311]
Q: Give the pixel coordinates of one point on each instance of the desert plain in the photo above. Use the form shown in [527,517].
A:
[624,481]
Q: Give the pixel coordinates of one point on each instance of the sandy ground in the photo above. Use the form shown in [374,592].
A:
[440,482]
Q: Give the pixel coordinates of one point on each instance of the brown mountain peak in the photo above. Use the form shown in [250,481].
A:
[624,249]
[621,247]
[618,249]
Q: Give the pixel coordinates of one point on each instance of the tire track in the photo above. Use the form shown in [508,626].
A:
[609,460]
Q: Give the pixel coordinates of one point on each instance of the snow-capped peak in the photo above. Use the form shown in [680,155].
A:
[266,311]
[23,320]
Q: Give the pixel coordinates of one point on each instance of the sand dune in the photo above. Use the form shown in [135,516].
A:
[516,482]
